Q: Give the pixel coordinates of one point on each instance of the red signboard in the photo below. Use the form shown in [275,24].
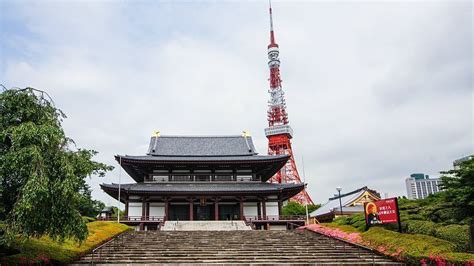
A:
[382,212]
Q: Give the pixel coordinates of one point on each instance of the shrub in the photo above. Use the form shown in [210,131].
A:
[357,221]
[88,219]
[341,220]
[422,227]
[36,250]
[414,247]
[457,234]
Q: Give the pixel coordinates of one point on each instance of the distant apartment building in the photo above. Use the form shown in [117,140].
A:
[419,186]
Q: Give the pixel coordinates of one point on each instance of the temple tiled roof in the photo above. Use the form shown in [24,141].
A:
[214,188]
[150,158]
[212,146]
[203,187]
[207,152]
[265,165]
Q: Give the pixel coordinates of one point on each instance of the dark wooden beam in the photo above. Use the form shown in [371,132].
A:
[191,209]
[241,205]
[167,203]
[216,209]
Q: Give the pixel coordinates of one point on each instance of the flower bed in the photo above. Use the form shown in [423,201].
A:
[335,232]
[413,249]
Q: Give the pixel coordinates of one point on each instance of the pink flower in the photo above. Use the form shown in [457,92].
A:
[44,258]
[335,232]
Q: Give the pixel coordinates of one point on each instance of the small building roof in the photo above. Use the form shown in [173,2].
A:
[190,146]
[347,200]
[349,209]
[107,209]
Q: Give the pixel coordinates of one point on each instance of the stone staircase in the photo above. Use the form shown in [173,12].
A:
[232,247]
[205,226]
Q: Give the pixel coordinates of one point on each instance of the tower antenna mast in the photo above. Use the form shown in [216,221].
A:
[279,132]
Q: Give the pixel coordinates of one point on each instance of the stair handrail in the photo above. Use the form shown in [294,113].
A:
[105,243]
[293,225]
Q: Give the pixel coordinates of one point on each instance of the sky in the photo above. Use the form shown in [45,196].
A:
[375,90]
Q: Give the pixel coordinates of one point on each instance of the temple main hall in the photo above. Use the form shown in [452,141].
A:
[202,178]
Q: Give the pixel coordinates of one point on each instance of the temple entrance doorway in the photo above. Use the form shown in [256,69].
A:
[204,212]
[229,212]
[178,212]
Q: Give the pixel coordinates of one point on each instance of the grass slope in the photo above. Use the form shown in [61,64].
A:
[412,248]
[46,250]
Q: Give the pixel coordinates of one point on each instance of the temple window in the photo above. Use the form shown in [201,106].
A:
[160,178]
[244,178]
[223,178]
[182,178]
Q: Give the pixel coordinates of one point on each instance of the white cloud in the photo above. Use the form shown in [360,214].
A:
[374,91]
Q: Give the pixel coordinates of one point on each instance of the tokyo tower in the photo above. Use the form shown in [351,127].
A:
[279,132]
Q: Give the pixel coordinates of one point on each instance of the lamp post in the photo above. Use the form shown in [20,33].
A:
[340,203]
[120,183]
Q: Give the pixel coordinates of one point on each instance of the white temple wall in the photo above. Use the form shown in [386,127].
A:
[272,208]
[135,209]
[157,209]
[250,209]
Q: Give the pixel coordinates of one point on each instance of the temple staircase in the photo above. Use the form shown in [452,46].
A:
[232,247]
[205,226]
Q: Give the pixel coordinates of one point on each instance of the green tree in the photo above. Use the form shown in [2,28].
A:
[115,210]
[458,185]
[42,172]
[88,206]
[296,208]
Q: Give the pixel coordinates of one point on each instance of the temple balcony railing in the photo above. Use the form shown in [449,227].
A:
[135,219]
[275,218]
[211,177]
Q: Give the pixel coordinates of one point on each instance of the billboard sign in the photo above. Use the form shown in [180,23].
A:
[382,212]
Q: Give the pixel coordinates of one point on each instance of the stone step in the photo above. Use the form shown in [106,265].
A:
[251,261]
[233,256]
[233,247]
[205,226]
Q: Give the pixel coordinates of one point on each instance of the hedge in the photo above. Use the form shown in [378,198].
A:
[415,247]
[422,227]
[87,219]
[457,234]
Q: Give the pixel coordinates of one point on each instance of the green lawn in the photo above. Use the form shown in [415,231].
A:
[45,249]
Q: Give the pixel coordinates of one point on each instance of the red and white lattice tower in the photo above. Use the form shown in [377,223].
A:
[279,131]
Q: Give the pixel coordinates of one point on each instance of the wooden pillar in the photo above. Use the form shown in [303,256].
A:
[216,209]
[241,205]
[191,209]
[142,225]
[264,209]
[143,208]
[279,208]
[126,207]
[167,203]
[147,210]
[259,210]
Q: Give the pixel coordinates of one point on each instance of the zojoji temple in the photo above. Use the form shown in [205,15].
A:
[203,178]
